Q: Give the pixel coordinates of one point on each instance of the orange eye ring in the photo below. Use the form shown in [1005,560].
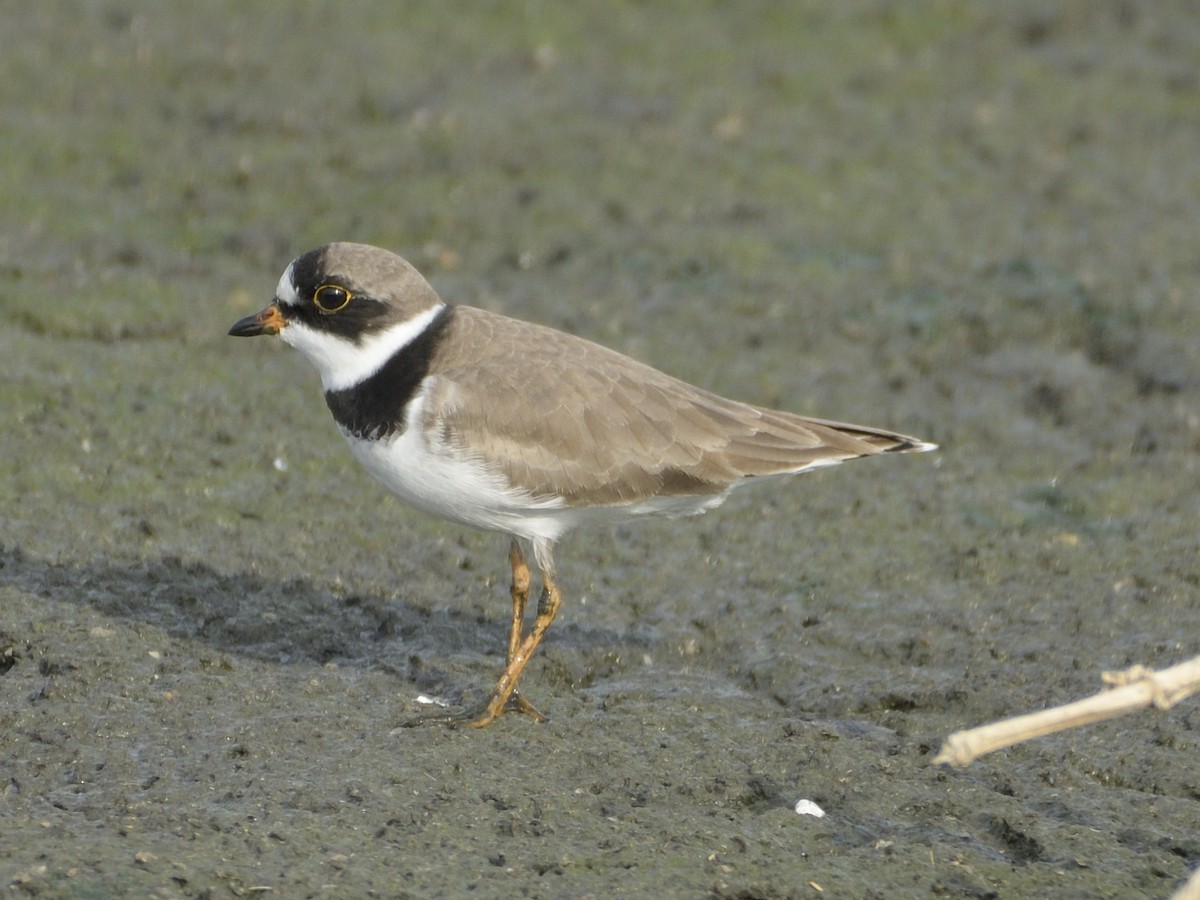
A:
[330,298]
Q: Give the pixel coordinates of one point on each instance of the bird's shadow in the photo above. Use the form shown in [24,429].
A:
[295,621]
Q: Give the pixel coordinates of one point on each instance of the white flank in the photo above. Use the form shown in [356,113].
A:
[444,482]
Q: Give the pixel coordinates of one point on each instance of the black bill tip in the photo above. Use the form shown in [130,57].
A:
[265,321]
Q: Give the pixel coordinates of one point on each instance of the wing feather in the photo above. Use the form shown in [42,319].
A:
[556,414]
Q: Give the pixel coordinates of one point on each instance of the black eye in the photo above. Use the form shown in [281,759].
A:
[329,298]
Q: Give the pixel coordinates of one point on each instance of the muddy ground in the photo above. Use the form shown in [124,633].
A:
[972,222]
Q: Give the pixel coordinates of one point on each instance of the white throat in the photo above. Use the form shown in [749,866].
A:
[342,363]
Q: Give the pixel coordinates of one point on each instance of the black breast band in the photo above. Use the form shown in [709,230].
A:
[375,407]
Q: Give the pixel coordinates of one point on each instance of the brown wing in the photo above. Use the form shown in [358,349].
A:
[557,413]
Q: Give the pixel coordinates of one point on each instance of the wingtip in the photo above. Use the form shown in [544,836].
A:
[912,445]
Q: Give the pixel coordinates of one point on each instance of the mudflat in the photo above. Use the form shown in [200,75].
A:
[973,223]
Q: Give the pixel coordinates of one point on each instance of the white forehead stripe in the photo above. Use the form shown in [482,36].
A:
[341,362]
[286,290]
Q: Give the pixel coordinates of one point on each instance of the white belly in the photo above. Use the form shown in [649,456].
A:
[444,484]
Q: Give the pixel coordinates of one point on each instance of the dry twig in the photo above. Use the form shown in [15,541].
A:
[1133,689]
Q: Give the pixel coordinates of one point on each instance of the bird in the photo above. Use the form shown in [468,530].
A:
[510,426]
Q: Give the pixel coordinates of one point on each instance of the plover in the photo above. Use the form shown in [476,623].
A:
[514,427]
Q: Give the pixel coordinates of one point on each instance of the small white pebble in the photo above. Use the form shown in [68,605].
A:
[545,57]
[808,808]
[280,464]
[427,700]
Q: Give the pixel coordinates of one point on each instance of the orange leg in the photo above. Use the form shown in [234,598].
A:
[504,694]
[520,595]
